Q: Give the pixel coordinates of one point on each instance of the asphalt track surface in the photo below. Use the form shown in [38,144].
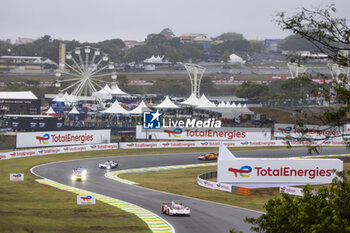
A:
[205,216]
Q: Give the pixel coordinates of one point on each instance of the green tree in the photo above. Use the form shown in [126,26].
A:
[328,211]
[207,86]
[230,36]
[297,43]
[252,90]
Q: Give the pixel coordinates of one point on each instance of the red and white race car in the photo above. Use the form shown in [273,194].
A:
[174,208]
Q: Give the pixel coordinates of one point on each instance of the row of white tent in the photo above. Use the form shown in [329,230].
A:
[73,111]
[202,102]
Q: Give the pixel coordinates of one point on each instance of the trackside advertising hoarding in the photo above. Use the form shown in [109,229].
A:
[307,131]
[222,134]
[62,138]
[254,170]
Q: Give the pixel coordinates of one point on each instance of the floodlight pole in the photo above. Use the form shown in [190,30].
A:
[193,72]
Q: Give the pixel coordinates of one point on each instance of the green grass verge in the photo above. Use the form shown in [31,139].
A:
[184,182]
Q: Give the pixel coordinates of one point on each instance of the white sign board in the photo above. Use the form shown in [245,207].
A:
[62,138]
[86,200]
[214,185]
[222,134]
[295,191]
[307,131]
[255,170]
[16,177]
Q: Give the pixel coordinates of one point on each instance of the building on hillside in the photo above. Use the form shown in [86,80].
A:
[19,102]
[273,45]
[25,64]
[21,40]
[133,43]
[195,37]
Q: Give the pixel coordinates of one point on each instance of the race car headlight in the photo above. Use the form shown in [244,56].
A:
[73,177]
[83,178]
[84,173]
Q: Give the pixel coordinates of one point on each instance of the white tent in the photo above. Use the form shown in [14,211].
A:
[74,111]
[140,109]
[59,98]
[227,105]
[239,105]
[50,111]
[233,105]
[221,104]
[116,90]
[116,109]
[104,93]
[236,59]
[245,106]
[167,104]
[192,100]
[205,103]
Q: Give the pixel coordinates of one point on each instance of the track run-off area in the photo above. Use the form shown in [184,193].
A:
[206,216]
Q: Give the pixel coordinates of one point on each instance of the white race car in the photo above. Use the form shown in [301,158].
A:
[109,164]
[174,208]
[79,174]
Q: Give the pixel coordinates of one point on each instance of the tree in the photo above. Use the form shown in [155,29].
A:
[297,43]
[328,211]
[230,36]
[252,90]
[331,36]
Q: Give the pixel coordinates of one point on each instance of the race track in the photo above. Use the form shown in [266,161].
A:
[205,216]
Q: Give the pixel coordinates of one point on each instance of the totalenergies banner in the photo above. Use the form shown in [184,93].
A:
[56,150]
[62,138]
[254,170]
[223,133]
[307,131]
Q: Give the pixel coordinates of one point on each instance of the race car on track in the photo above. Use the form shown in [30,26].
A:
[174,208]
[79,174]
[109,164]
[209,156]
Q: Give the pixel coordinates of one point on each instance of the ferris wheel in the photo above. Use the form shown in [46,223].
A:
[86,65]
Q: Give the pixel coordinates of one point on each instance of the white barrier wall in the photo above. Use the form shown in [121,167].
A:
[214,185]
[222,134]
[314,131]
[57,150]
[62,138]
[142,145]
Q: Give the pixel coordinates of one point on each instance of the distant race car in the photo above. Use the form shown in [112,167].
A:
[109,164]
[79,174]
[209,156]
[173,208]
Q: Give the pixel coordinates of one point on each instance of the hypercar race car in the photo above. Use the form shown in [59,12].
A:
[209,156]
[174,208]
[79,174]
[109,164]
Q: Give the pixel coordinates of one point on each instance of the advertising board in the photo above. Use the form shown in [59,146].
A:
[307,131]
[86,200]
[16,177]
[62,138]
[295,191]
[223,133]
[214,185]
[255,170]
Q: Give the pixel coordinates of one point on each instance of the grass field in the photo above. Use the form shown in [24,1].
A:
[184,182]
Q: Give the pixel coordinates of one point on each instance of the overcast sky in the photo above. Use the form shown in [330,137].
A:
[93,21]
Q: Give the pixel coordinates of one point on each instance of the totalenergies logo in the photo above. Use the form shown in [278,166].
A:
[246,143]
[286,130]
[166,144]
[17,175]
[44,139]
[41,151]
[93,147]
[243,171]
[176,132]
[130,145]
[204,143]
[65,148]
[13,154]
[86,198]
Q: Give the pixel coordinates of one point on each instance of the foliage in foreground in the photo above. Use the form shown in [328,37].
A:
[328,211]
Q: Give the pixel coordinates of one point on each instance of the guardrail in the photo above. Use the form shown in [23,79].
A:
[202,181]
